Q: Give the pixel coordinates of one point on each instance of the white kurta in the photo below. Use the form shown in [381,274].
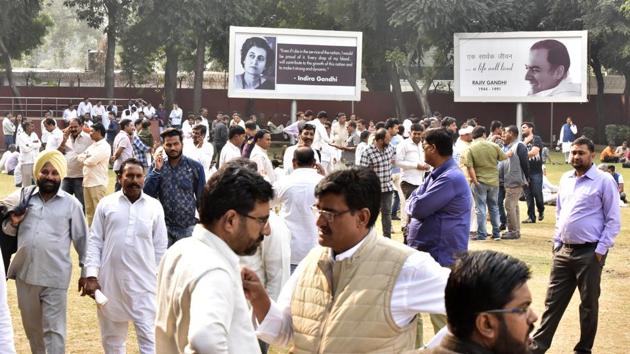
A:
[228,153]
[265,168]
[124,249]
[271,260]
[296,194]
[203,154]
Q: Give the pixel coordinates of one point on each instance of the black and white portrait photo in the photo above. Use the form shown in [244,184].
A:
[257,64]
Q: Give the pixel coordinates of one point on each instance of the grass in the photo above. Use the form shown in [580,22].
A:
[534,248]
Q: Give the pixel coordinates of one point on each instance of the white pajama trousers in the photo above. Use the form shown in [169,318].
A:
[114,335]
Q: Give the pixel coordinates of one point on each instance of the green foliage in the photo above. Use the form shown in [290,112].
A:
[589,132]
[616,134]
[22,26]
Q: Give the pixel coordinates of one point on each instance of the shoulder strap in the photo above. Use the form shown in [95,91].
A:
[26,195]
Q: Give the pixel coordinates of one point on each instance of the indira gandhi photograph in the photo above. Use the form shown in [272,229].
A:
[257,61]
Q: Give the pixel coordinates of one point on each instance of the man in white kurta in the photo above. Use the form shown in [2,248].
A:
[232,148]
[200,150]
[201,303]
[296,194]
[125,246]
[261,157]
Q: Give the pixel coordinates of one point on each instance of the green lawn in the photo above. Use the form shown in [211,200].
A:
[534,248]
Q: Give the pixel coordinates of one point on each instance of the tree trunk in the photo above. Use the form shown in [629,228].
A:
[401,111]
[200,65]
[110,56]
[626,93]
[599,104]
[170,75]
[8,69]
[421,93]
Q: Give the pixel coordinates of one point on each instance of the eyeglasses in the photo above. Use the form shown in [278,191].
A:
[329,216]
[261,220]
[515,310]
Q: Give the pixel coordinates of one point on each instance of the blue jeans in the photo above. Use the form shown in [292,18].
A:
[486,198]
[9,140]
[533,192]
[503,216]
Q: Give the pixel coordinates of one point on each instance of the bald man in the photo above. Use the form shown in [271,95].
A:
[42,265]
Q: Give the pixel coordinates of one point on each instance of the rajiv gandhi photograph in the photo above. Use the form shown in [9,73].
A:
[548,70]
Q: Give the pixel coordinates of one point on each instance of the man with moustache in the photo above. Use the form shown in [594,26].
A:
[488,306]
[199,149]
[439,208]
[42,264]
[587,223]
[380,157]
[126,243]
[201,307]
[232,148]
[177,182]
[305,139]
[75,141]
[95,170]
[359,292]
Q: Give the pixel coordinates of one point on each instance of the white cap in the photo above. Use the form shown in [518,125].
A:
[467,130]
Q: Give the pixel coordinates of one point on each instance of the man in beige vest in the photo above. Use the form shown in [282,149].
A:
[201,307]
[359,292]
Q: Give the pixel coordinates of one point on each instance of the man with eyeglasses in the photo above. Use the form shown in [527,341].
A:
[359,292]
[201,307]
[488,306]
[440,207]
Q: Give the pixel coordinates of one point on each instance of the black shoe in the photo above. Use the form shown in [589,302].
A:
[395,218]
[541,217]
[529,221]
[502,227]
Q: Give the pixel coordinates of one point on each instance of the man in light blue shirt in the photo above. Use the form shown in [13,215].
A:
[588,220]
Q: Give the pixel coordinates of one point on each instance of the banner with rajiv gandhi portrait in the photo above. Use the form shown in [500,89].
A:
[282,63]
[521,67]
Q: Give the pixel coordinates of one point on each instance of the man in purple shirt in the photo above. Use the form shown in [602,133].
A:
[587,222]
[440,207]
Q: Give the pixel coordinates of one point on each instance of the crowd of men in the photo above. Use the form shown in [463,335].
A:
[205,229]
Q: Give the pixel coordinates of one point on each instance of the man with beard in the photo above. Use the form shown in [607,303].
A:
[488,306]
[177,182]
[587,223]
[75,141]
[124,248]
[201,307]
[305,139]
[533,192]
[359,292]
[42,265]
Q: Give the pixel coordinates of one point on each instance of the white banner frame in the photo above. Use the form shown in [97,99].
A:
[582,36]
[324,91]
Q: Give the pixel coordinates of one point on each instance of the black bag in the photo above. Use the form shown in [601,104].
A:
[8,244]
